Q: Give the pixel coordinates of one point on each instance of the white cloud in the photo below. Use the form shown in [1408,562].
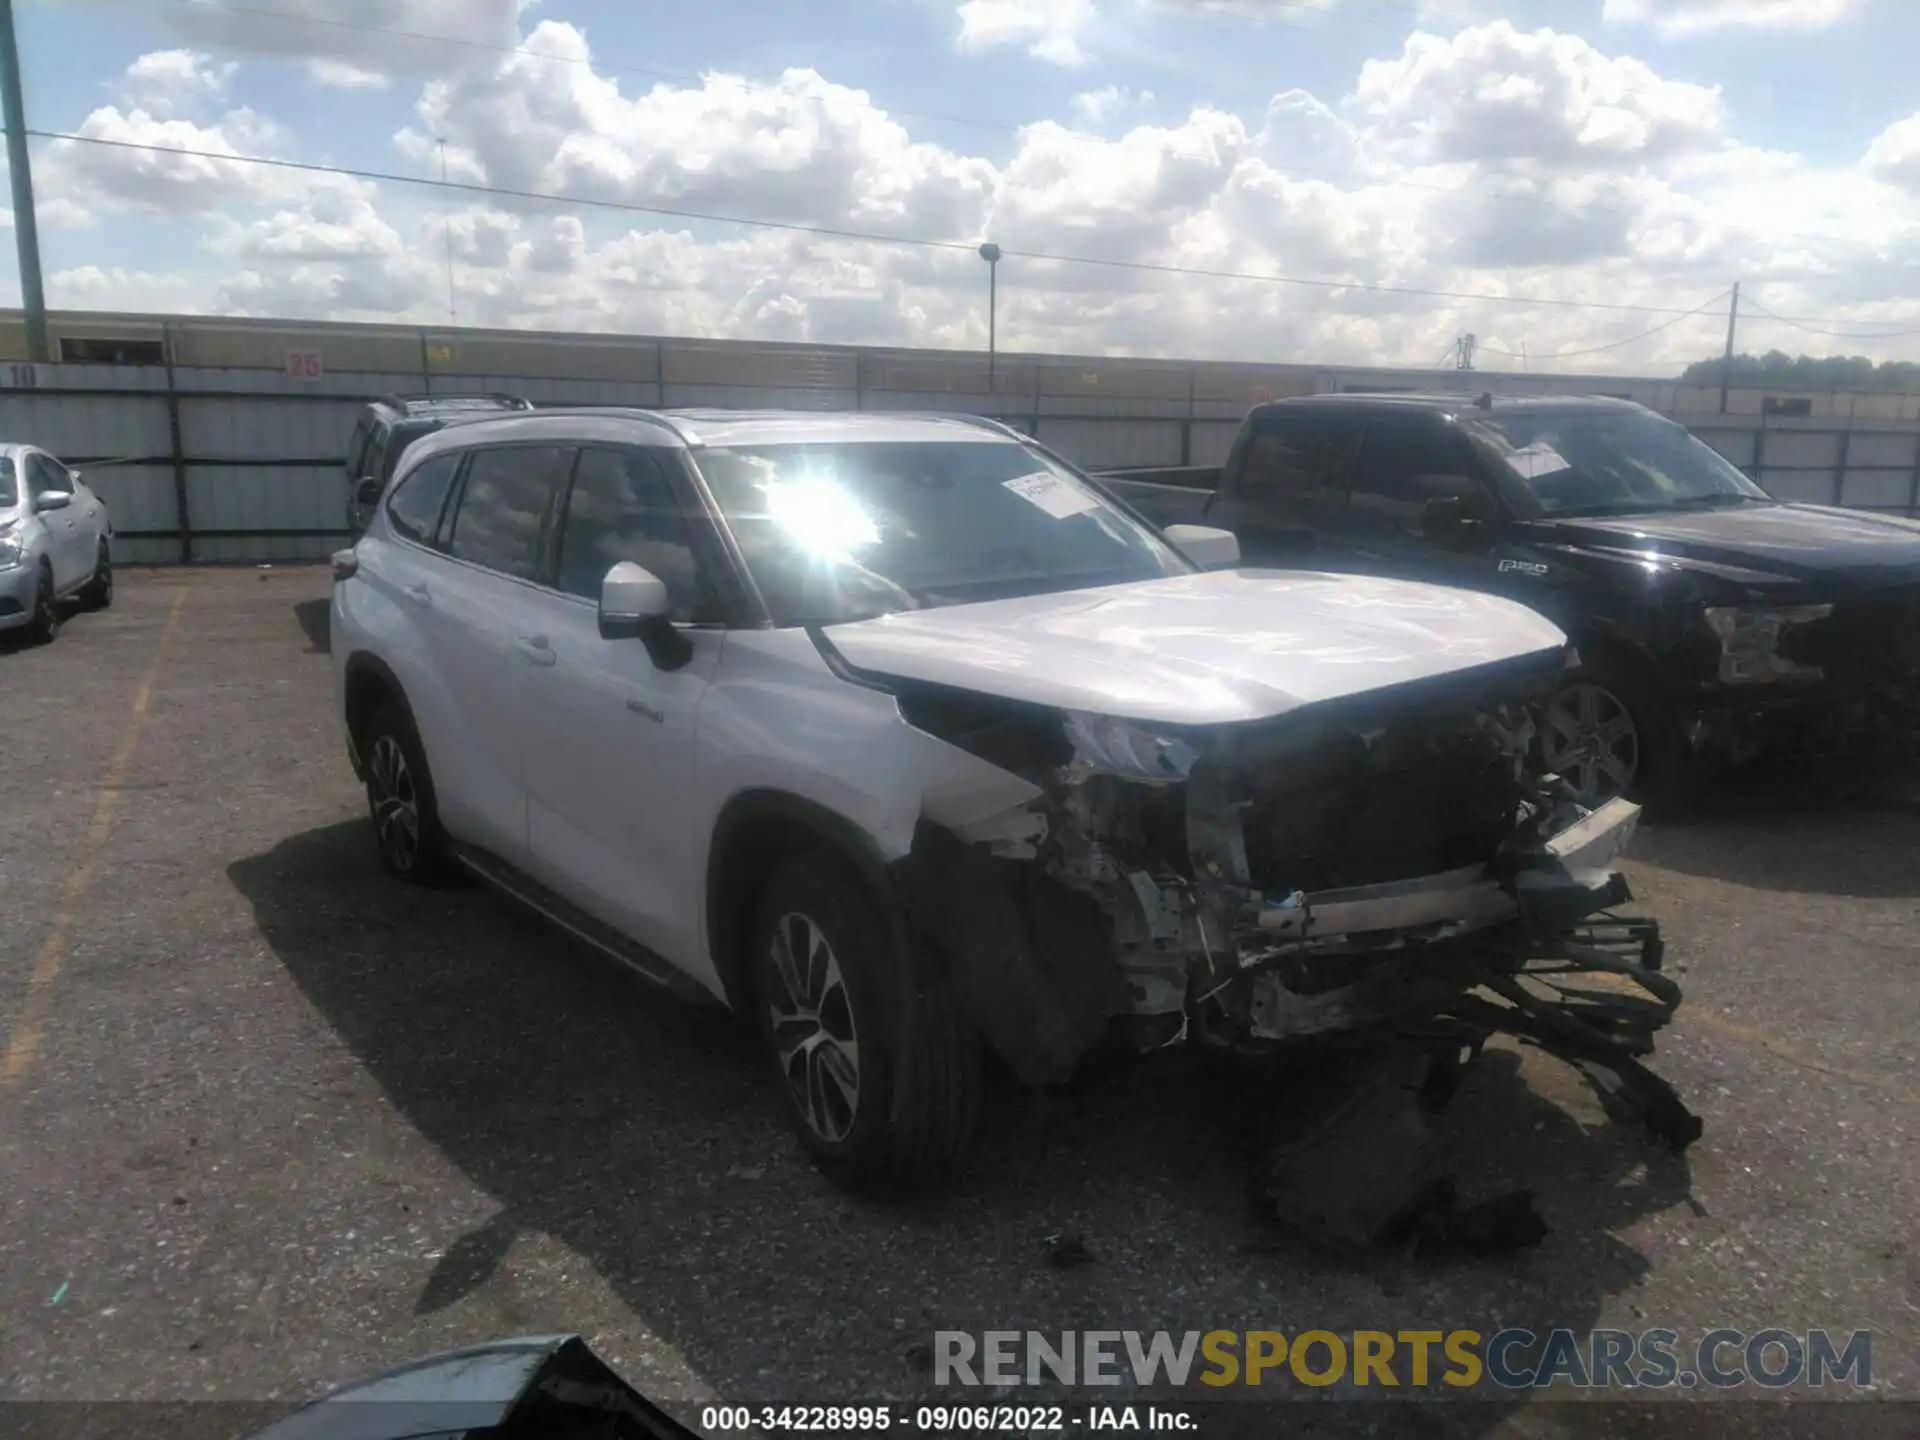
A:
[802,150]
[1049,30]
[164,82]
[340,75]
[1494,161]
[1095,106]
[1679,18]
[1494,93]
[116,287]
[387,37]
[1894,154]
[141,162]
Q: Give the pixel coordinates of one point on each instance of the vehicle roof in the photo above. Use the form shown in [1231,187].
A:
[707,427]
[431,407]
[1450,402]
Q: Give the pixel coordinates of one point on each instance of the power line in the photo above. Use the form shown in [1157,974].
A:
[1834,334]
[1522,355]
[839,233]
[1480,191]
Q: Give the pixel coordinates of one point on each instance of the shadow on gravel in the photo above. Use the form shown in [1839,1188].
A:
[1799,827]
[647,1138]
[316,624]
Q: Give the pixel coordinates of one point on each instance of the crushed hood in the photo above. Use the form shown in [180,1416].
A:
[1204,649]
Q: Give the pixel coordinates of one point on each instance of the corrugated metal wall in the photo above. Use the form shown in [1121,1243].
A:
[235,451]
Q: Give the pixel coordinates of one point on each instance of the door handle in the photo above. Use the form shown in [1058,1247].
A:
[418,594]
[535,649]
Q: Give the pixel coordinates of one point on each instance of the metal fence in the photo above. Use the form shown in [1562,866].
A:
[246,463]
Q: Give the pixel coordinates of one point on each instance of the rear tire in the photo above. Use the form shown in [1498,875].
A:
[44,628]
[400,798]
[879,1069]
[98,594]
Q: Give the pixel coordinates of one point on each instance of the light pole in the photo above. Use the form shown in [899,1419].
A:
[33,299]
[990,253]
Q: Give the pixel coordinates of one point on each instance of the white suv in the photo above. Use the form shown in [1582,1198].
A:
[897,733]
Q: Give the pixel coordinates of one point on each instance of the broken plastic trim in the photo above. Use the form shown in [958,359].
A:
[1458,901]
[1464,899]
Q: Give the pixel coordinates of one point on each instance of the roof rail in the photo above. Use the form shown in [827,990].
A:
[400,400]
[985,422]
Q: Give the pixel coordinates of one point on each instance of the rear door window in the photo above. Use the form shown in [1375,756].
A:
[500,518]
[1404,464]
[1296,458]
[414,509]
[357,448]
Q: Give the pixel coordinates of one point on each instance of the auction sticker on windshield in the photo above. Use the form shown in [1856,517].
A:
[1533,461]
[1051,494]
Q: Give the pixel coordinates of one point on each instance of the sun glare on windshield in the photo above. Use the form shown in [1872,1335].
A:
[821,516]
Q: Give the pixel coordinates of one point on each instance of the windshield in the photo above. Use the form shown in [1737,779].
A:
[9,487]
[836,532]
[1611,462]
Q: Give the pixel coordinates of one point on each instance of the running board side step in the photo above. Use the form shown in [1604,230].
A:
[518,886]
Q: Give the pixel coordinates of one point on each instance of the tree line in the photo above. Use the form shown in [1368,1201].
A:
[1809,372]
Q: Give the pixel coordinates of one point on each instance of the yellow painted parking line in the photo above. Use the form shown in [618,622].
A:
[24,1043]
[1794,1055]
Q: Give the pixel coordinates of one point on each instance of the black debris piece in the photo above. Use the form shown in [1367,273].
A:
[1066,1251]
[1499,1226]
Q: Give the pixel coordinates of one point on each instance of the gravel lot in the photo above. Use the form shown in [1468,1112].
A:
[269,1121]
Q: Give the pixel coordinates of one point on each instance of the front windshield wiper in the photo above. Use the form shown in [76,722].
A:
[1719,499]
[1604,507]
[1716,500]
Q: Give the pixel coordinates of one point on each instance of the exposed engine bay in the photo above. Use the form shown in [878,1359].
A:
[1382,882]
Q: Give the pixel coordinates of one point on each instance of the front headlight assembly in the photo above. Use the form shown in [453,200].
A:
[11,549]
[1750,641]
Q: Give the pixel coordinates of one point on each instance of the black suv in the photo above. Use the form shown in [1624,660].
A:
[393,422]
[1711,620]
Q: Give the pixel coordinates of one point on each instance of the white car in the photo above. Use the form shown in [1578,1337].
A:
[895,732]
[55,537]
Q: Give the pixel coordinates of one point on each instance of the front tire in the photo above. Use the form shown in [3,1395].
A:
[400,798]
[98,594]
[1608,736]
[44,627]
[879,1069]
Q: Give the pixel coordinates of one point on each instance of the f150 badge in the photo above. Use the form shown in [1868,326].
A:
[1525,567]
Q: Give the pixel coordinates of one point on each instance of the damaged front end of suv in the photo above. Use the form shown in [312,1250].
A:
[1368,888]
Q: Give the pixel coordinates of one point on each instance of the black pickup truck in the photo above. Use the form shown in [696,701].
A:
[1712,621]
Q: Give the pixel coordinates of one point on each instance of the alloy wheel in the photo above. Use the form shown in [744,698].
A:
[815,1042]
[396,804]
[1590,740]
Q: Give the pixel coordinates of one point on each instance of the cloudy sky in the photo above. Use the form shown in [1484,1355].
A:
[1415,160]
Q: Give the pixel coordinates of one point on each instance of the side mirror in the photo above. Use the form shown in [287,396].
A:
[1449,520]
[1207,546]
[52,500]
[633,606]
[367,492]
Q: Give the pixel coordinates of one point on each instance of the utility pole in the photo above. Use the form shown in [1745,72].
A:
[26,234]
[1726,361]
[1465,346]
[446,233]
[990,253]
